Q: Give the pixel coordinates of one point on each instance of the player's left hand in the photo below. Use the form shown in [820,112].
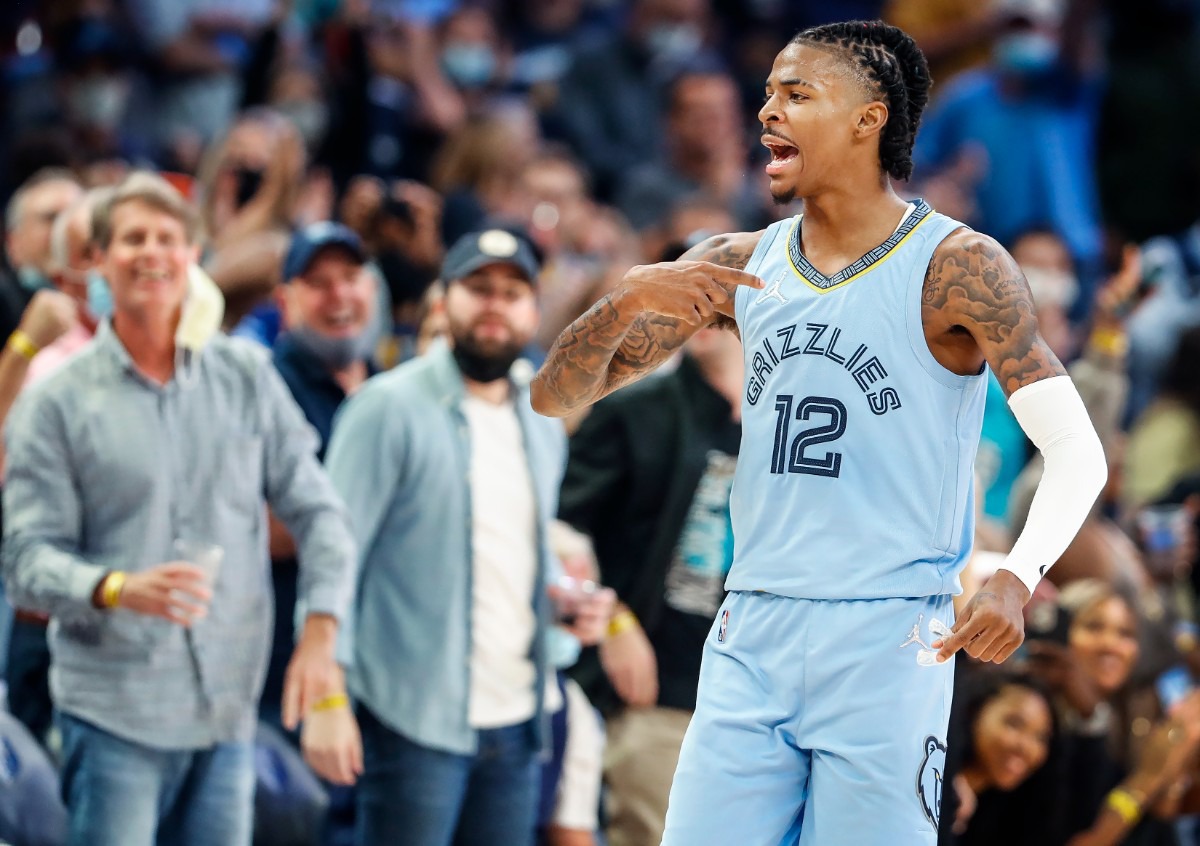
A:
[992,625]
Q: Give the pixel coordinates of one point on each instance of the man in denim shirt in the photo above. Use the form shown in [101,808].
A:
[451,480]
[161,432]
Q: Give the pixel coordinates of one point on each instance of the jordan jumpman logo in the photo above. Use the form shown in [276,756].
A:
[773,293]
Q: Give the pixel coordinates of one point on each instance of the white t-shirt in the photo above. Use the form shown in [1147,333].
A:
[504,562]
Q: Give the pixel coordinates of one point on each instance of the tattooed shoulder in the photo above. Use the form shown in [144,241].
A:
[731,250]
[973,283]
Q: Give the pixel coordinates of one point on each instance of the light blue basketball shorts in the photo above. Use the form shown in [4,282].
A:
[817,723]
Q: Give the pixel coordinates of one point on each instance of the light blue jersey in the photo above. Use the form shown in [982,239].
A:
[854,479]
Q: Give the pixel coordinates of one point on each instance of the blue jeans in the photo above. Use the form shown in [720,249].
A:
[120,793]
[418,796]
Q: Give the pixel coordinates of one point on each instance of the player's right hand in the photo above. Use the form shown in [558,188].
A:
[176,591]
[691,291]
[629,662]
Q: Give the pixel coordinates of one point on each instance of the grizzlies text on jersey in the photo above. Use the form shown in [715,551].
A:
[854,479]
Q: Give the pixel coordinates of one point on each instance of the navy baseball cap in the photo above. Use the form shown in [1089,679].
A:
[310,240]
[492,246]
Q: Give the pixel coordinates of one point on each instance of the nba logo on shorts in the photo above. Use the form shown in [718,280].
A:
[724,626]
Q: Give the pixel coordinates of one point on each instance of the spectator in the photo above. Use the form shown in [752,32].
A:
[1030,116]
[571,782]
[1104,753]
[954,35]
[198,48]
[56,325]
[98,84]
[328,302]
[1164,445]
[249,180]
[452,480]
[73,258]
[705,150]
[610,101]
[582,261]
[162,433]
[323,355]
[30,214]
[473,57]
[401,226]
[478,170]
[1005,727]
[648,478]
[544,32]
[1170,305]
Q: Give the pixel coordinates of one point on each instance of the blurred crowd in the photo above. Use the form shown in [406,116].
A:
[391,199]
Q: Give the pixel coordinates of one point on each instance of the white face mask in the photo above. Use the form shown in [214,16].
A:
[203,310]
[1051,287]
[1026,53]
[674,42]
[98,101]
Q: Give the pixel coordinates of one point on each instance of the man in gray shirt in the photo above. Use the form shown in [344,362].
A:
[160,434]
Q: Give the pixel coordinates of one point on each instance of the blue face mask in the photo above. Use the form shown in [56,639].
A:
[562,648]
[469,65]
[32,279]
[1026,53]
[674,43]
[99,296]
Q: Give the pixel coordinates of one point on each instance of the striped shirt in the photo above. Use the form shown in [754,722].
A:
[106,471]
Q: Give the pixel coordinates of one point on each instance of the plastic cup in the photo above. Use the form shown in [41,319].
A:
[206,556]
[570,596]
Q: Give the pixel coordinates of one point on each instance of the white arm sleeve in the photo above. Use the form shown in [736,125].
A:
[1053,416]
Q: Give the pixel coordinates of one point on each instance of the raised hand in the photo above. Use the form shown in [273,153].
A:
[49,316]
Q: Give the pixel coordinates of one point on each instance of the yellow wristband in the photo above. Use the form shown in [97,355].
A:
[1112,342]
[330,703]
[622,622]
[1125,805]
[22,345]
[110,594]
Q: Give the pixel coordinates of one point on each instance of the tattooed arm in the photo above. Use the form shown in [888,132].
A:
[974,291]
[638,326]
[977,305]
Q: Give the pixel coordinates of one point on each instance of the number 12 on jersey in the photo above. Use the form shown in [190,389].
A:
[788,454]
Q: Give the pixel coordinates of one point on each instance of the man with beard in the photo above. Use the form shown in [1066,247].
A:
[453,480]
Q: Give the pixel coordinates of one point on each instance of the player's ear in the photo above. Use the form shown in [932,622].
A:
[871,118]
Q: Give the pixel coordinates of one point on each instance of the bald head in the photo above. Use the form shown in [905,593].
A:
[70,236]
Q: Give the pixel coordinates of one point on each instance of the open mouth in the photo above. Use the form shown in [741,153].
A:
[782,153]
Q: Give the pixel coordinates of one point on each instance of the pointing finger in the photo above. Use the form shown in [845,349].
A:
[731,276]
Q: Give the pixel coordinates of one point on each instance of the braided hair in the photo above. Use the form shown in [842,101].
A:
[894,70]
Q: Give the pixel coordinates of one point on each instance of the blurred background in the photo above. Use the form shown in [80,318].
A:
[617,132]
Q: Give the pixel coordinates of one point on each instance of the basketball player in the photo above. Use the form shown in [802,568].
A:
[867,323]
